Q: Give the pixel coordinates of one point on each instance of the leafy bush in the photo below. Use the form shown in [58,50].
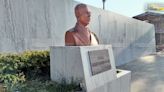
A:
[30,72]
[16,68]
[36,64]
[9,69]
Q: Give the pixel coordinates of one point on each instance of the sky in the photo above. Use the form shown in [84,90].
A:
[128,8]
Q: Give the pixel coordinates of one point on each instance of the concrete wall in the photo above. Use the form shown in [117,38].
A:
[38,24]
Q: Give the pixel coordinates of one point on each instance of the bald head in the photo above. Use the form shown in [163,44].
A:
[82,14]
[78,9]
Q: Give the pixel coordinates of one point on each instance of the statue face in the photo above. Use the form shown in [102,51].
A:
[84,17]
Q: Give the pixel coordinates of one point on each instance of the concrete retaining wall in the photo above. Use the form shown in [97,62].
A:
[38,24]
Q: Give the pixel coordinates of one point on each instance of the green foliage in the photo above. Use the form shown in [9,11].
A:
[47,86]
[17,68]
[36,64]
[9,69]
[30,72]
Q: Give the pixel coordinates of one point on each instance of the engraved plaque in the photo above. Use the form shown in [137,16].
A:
[99,61]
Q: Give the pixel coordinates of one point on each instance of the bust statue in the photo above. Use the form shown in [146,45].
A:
[80,35]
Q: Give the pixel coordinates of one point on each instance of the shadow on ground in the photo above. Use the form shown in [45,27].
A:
[147,73]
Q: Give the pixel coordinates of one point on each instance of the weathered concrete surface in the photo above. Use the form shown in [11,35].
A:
[147,73]
[38,24]
[76,66]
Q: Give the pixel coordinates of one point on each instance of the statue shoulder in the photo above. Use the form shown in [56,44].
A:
[71,30]
[69,38]
[95,36]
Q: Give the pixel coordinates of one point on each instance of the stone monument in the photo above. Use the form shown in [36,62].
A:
[93,67]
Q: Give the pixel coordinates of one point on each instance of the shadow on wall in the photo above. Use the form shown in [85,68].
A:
[138,48]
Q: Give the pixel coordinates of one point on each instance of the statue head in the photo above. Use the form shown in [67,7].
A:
[82,14]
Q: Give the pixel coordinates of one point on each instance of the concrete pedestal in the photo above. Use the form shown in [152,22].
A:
[72,63]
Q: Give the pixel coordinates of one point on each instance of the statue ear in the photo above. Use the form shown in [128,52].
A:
[78,17]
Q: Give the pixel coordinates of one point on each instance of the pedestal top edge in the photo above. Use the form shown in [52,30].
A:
[61,46]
